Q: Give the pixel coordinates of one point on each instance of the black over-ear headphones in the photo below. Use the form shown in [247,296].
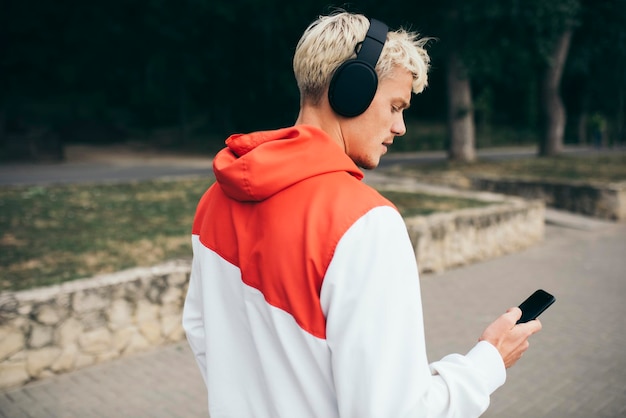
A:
[354,83]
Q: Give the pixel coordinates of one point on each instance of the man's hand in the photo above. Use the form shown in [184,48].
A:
[511,340]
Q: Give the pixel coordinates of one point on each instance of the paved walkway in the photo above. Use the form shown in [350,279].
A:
[574,368]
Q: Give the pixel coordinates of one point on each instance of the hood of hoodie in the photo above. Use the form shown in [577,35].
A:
[255,166]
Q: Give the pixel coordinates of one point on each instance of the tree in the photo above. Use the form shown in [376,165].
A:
[461,129]
[453,23]
[460,112]
[485,40]
[550,26]
[213,66]
[593,88]
[552,104]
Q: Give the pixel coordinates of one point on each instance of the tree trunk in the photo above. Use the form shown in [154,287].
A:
[461,129]
[552,104]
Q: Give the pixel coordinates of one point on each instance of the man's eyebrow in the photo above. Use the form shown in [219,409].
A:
[404,104]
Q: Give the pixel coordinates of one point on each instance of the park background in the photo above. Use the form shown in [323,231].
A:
[164,78]
[183,75]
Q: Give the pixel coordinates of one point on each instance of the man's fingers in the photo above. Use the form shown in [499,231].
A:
[510,339]
[514,314]
[531,327]
[514,309]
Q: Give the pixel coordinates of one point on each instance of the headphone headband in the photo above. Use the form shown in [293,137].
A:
[372,45]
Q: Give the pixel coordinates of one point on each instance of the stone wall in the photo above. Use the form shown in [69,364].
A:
[446,240]
[606,201]
[56,329]
[451,239]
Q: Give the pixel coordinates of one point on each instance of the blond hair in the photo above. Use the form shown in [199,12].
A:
[331,40]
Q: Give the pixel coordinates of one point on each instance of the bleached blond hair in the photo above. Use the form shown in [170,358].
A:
[331,40]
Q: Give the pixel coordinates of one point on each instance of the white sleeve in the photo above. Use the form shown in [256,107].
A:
[374,328]
[193,314]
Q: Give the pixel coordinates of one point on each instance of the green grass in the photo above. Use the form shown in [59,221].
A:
[414,204]
[597,168]
[54,234]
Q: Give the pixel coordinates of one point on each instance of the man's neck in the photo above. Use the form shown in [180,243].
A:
[322,117]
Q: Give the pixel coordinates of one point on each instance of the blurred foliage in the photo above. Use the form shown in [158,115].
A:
[104,71]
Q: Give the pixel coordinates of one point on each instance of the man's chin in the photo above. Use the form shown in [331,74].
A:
[366,162]
[369,165]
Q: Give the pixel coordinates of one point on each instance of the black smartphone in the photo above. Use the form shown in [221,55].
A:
[535,305]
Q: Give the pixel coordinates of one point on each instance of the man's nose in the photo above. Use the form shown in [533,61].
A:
[399,128]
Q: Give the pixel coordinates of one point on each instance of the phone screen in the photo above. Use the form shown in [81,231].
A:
[535,305]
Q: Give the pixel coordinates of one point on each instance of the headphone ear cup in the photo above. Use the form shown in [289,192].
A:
[352,88]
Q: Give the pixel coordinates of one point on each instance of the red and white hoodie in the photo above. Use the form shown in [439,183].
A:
[304,297]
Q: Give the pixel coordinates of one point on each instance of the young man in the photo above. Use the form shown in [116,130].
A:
[304,297]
